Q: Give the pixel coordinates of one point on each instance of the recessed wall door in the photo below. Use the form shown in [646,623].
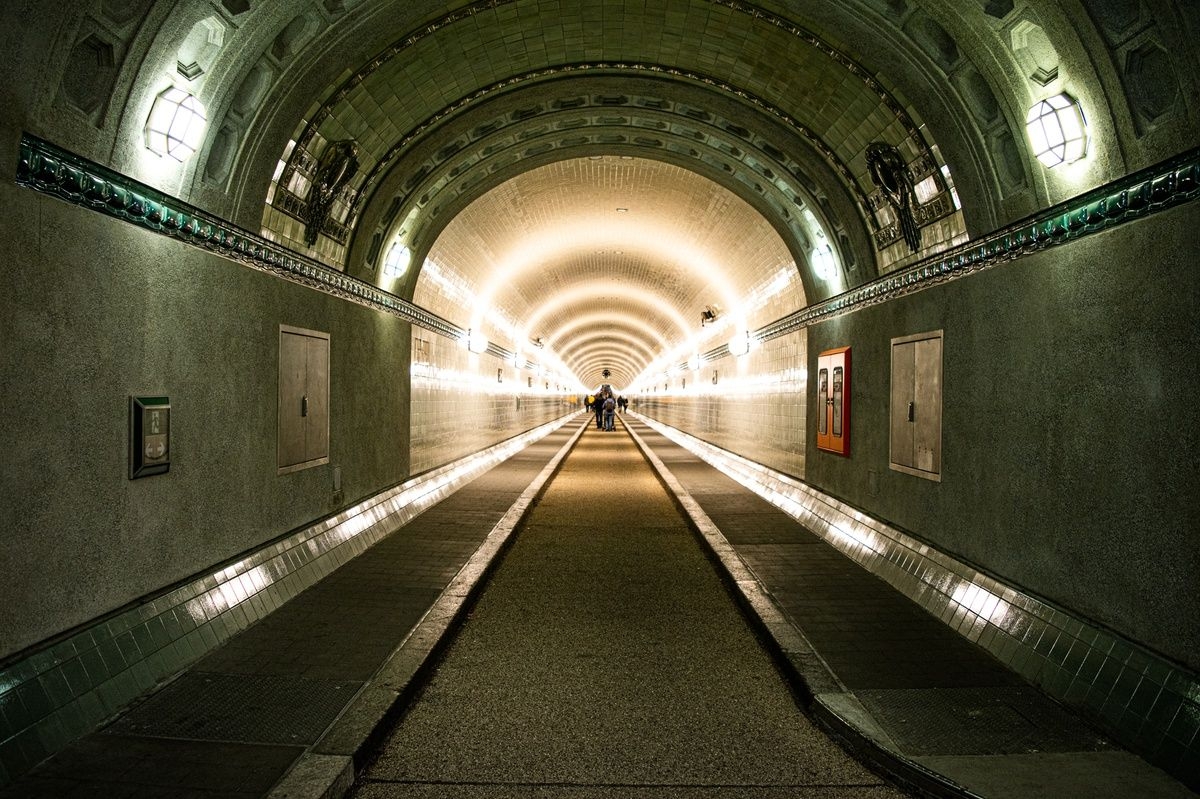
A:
[303,398]
[916,405]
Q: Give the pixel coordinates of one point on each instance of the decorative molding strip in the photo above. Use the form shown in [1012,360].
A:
[1157,188]
[54,171]
[66,688]
[1147,703]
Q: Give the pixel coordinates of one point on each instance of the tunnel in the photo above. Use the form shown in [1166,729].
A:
[896,301]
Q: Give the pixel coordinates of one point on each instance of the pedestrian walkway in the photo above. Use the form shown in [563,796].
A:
[605,658]
[907,690]
[284,706]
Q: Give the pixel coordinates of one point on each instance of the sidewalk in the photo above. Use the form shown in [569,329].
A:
[893,681]
[289,708]
[605,659]
[300,693]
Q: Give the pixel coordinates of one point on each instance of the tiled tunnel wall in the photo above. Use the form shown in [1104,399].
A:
[1099,334]
[1054,477]
[463,401]
[101,311]
[117,584]
[755,405]
[1055,537]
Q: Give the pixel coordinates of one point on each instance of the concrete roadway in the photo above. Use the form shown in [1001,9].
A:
[606,658]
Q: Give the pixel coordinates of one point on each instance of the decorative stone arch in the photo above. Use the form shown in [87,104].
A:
[776,167]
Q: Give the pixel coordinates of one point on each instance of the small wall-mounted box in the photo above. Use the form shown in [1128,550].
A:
[149,436]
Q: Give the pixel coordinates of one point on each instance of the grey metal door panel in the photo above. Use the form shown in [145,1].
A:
[316,428]
[292,371]
[903,400]
[927,427]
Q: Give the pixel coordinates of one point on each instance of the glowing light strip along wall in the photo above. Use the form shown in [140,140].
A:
[1146,702]
[150,640]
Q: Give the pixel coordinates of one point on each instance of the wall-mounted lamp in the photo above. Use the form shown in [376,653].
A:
[824,265]
[475,342]
[176,123]
[739,345]
[397,260]
[1057,130]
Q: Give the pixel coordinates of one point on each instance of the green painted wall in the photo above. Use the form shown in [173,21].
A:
[1071,459]
[93,310]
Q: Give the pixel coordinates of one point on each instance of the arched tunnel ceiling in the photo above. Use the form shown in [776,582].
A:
[776,167]
[455,109]
[609,262]
[507,125]
[741,92]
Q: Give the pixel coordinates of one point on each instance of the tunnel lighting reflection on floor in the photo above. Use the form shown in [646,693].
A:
[856,535]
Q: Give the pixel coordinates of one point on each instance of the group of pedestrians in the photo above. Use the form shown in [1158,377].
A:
[605,406]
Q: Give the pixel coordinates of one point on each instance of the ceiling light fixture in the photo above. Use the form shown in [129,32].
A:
[823,263]
[1057,130]
[475,342]
[398,258]
[739,345]
[176,124]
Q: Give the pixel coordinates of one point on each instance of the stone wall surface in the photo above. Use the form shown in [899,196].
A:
[1070,428]
[94,311]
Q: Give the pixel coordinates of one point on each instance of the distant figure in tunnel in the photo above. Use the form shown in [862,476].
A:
[622,403]
[610,410]
[598,409]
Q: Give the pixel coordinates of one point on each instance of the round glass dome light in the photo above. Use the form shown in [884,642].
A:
[1057,130]
[824,264]
[398,258]
[476,341]
[739,345]
[176,124]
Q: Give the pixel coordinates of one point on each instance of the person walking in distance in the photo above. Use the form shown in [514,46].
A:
[610,410]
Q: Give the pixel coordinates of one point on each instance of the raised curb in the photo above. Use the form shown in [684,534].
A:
[824,697]
[327,770]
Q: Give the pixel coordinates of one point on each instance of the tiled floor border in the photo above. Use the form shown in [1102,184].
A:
[1148,704]
[60,692]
